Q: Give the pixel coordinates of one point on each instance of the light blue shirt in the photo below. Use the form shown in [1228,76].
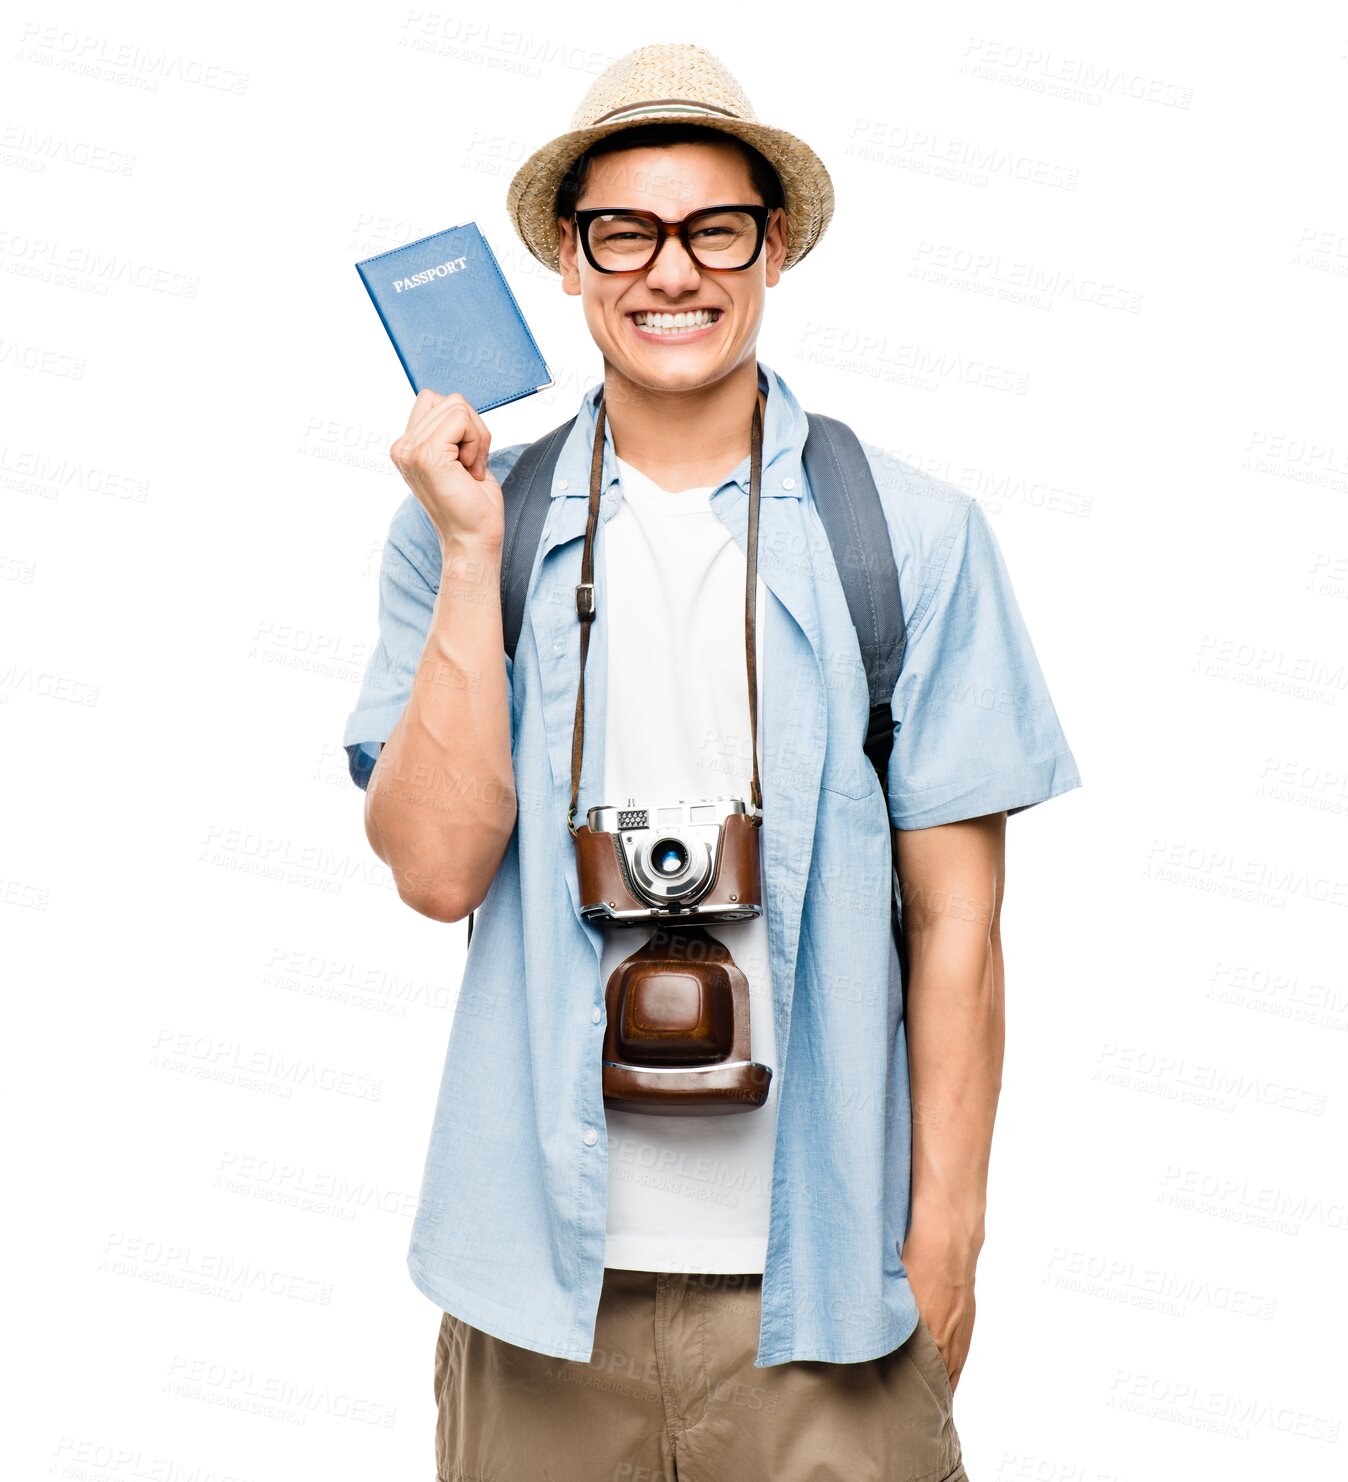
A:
[509,1232]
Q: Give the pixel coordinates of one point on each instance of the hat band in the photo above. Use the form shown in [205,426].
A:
[662,105]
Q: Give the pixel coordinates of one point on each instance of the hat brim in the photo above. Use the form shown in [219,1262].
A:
[531,198]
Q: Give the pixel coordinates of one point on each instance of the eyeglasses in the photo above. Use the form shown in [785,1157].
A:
[727,239]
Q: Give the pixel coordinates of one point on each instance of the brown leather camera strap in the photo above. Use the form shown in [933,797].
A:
[585,607]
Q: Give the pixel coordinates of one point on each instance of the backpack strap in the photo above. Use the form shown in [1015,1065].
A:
[849,507]
[844,493]
[527,490]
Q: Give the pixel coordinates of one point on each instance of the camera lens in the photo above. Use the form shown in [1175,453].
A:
[667,867]
[669,856]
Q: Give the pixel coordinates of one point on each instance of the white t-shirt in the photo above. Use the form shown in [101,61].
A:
[684,1193]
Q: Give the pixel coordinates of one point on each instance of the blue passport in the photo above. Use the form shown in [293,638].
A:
[453,319]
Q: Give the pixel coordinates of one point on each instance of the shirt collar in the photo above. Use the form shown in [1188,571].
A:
[784,429]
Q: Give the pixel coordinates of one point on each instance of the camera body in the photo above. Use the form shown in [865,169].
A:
[689,862]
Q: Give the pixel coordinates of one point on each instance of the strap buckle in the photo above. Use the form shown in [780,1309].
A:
[585,600]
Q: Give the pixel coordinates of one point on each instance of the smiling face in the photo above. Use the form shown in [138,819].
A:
[672,181]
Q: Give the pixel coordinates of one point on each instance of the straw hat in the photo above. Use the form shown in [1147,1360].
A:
[672,83]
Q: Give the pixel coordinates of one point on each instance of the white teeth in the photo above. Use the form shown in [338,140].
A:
[689,319]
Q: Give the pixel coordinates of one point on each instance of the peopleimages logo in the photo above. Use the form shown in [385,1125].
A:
[443,270]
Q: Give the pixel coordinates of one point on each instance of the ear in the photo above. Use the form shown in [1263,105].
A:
[566,256]
[775,244]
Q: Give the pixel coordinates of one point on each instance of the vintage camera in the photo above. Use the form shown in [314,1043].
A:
[685,862]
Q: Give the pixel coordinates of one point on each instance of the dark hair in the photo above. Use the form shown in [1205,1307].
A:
[762,175]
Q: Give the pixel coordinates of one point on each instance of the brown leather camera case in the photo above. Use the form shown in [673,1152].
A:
[680,1007]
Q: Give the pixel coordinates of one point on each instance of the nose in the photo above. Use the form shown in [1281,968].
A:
[673,272]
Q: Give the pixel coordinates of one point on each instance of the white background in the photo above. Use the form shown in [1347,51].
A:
[198,400]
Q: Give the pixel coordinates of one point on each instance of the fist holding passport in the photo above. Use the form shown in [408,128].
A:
[466,349]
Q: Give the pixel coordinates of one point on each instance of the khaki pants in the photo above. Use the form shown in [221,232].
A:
[671,1394]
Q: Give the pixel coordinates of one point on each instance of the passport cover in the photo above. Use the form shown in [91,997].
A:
[453,319]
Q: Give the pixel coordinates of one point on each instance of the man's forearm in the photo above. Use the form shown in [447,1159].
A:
[956,1035]
[951,879]
[440,805]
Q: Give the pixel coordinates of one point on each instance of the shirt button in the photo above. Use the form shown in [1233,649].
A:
[595,1016]
[563,483]
[546,529]
[591,1137]
[788,483]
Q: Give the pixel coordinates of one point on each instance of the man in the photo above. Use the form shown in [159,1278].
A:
[786,1293]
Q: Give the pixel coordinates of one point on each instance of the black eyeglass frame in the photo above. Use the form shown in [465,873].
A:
[667,229]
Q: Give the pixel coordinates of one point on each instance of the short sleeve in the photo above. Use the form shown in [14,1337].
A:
[409,580]
[975,730]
